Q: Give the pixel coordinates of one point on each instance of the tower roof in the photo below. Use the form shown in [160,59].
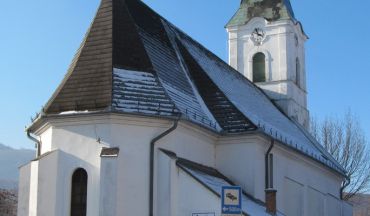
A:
[134,61]
[271,10]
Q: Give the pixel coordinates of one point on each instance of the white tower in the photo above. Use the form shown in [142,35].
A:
[266,44]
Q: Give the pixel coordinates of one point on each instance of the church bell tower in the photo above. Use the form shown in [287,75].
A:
[266,45]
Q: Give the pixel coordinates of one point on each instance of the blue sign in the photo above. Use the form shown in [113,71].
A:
[231,200]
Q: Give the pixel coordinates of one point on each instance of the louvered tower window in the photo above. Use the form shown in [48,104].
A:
[259,67]
[298,72]
[79,193]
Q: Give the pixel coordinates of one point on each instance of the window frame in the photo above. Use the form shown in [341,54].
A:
[298,69]
[259,74]
[79,191]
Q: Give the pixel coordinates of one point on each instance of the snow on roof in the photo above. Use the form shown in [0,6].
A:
[254,104]
[140,92]
[73,112]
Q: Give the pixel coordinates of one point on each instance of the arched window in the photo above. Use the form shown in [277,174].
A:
[259,67]
[298,72]
[79,193]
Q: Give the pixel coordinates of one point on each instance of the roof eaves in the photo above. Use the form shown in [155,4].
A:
[337,169]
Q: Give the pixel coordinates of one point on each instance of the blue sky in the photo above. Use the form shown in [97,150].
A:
[39,38]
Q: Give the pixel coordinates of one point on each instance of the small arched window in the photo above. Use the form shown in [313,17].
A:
[79,193]
[298,72]
[259,67]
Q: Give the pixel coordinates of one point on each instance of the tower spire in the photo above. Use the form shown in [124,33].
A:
[271,10]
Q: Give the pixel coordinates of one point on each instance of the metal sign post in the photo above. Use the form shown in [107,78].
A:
[231,201]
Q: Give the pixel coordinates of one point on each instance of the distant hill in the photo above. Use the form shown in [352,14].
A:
[10,160]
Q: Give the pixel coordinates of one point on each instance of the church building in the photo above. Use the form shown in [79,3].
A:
[148,122]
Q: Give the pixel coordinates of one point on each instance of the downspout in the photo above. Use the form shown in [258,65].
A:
[152,147]
[38,143]
[348,181]
[267,164]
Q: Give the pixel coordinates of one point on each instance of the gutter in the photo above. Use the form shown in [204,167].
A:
[38,143]
[151,175]
[348,181]
[267,164]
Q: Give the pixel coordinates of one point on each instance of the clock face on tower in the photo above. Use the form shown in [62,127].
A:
[258,36]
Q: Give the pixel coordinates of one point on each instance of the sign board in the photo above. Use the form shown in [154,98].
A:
[231,201]
[204,214]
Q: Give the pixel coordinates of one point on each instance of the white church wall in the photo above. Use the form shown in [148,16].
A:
[294,173]
[241,160]
[46,135]
[179,194]
[24,190]
[47,185]
[191,142]
[108,186]
[333,206]
[68,163]
[195,198]
[33,188]
[163,183]
[315,202]
[80,140]
[133,136]
[76,139]
[293,194]
[347,209]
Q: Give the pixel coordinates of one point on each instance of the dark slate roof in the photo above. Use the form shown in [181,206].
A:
[88,83]
[271,10]
[135,61]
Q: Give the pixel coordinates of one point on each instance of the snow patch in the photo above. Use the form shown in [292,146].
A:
[71,112]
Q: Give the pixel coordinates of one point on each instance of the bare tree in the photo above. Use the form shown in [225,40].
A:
[346,141]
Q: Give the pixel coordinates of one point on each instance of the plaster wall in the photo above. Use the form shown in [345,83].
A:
[33,205]
[195,198]
[24,190]
[80,149]
[313,180]
[46,140]
[243,161]
[165,181]
[47,185]
[108,182]
[134,142]
[79,142]
[179,194]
